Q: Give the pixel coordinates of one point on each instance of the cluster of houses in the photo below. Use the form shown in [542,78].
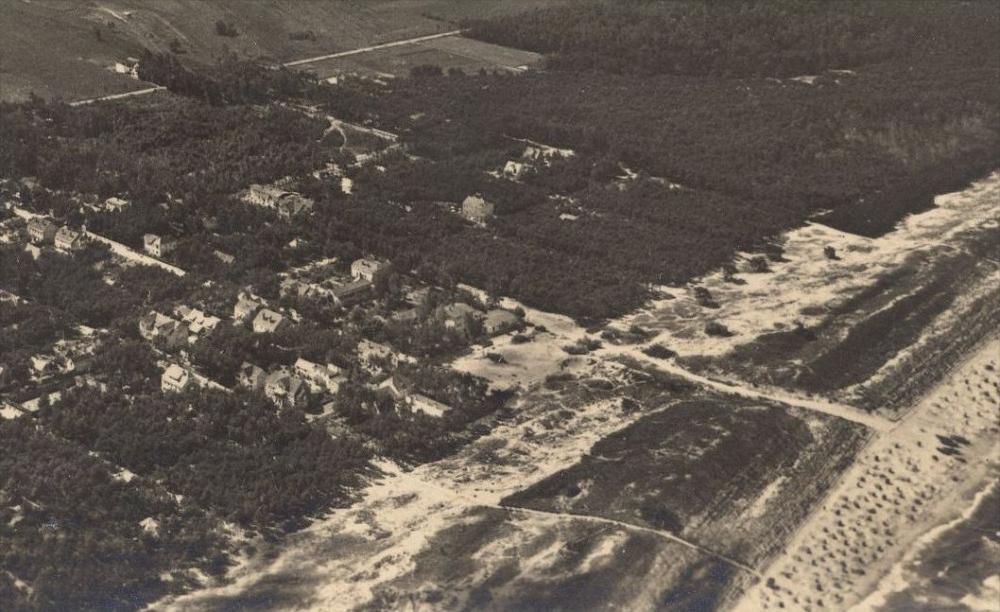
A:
[42,231]
[65,356]
[288,203]
[324,284]
[292,387]
[253,308]
[112,204]
[534,155]
[186,327]
[462,316]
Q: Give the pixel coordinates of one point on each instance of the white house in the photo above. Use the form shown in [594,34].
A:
[368,268]
[67,239]
[174,379]
[477,209]
[158,246]
[247,304]
[320,377]
[41,230]
[268,322]
[115,204]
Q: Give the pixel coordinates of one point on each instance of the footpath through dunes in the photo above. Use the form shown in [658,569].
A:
[840,411]
[906,482]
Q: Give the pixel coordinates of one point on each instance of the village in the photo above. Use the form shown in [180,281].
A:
[326,294]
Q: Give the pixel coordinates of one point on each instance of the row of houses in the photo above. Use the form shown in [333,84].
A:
[44,231]
[458,315]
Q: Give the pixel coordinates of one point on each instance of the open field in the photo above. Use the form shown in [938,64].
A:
[52,48]
[458,52]
[65,58]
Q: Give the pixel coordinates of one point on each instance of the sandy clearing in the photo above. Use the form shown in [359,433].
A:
[803,287]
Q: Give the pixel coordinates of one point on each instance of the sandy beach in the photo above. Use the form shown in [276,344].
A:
[917,477]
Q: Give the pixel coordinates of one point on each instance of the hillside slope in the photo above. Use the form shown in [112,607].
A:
[61,48]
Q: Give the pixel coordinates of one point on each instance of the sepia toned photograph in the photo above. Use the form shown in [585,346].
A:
[499,305]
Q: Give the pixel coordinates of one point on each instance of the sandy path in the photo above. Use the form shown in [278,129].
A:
[842,411]
[902,485]
[632,527]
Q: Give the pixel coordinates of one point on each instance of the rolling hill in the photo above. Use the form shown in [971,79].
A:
[63,48]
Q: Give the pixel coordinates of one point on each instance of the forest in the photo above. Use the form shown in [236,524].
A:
[156,146]
[74,531]
[742,38]
[234,454]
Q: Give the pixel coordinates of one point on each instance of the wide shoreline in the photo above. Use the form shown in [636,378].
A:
[936,487]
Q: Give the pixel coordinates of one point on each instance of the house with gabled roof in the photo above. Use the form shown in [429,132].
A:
[41,230]
[247,305]
[174,379]
[416,402]
[67,239]
[268,321]
[251,376]
[158,246]
[163,330]
[285,389]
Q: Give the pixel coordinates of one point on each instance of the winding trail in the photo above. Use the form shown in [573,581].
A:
[633,527]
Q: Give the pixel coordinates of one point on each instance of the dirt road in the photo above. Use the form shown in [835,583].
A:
[397,43]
